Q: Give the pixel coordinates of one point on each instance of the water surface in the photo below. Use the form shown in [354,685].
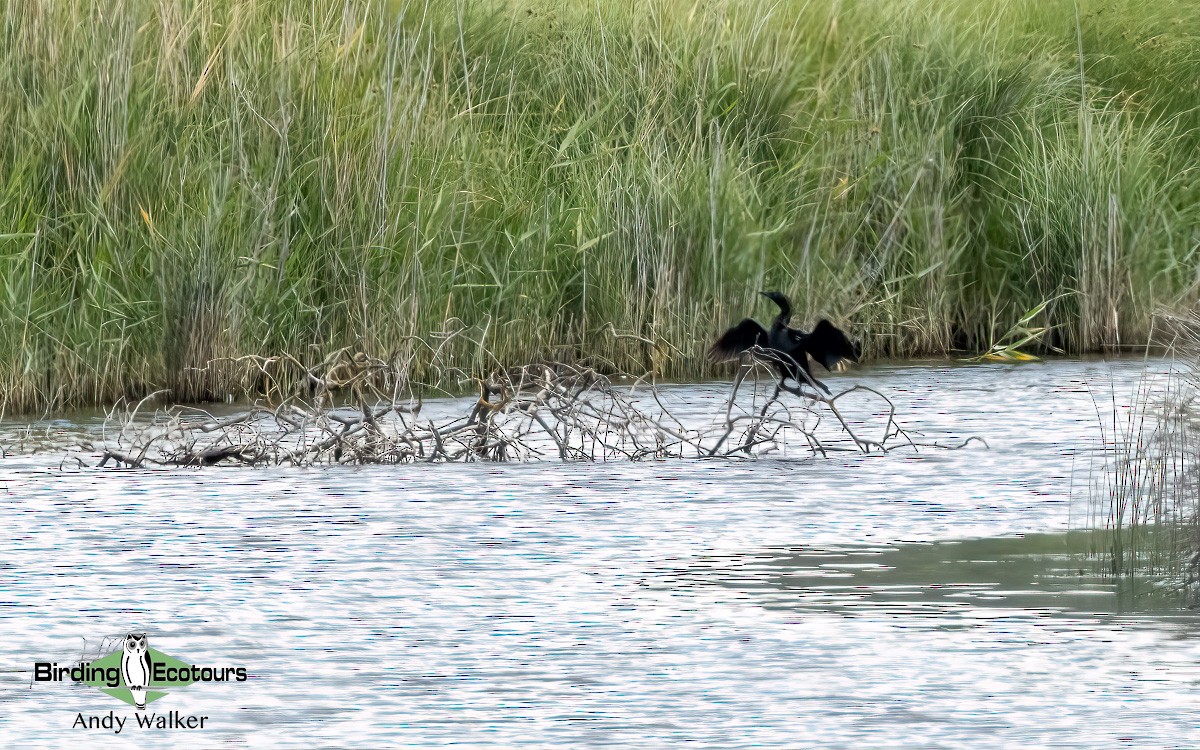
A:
[911,600]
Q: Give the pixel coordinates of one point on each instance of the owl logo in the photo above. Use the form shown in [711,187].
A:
[135,667]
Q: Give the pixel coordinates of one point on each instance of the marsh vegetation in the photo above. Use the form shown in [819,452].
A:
[189,181]
[1147,509]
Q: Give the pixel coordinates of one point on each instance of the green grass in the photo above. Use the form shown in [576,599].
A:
[1147,509]
[187,180]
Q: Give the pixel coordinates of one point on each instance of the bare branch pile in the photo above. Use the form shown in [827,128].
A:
[354,409]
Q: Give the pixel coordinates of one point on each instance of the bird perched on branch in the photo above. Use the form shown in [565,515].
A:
[788,349]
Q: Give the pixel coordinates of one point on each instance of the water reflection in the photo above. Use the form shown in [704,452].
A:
[1035,575]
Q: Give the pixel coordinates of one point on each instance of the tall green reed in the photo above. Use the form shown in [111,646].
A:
[1147,509]
[184,181]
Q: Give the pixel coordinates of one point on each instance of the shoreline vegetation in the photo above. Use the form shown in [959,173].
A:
[1146,507]
[187,183]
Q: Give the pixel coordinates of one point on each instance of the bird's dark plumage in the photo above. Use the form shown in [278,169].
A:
[826,344]
[738,339]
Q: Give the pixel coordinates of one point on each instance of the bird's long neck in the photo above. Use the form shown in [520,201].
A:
[785,312]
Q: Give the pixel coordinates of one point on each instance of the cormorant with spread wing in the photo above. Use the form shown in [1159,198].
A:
[789,348]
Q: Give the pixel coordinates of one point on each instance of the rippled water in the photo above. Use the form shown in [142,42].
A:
[857,601]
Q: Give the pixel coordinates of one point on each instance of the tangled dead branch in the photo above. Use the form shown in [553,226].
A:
[354,409]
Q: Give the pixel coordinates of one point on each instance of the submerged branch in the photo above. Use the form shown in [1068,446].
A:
[523,413]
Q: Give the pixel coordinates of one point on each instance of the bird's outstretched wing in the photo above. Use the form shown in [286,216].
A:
[829,345]
[738,339]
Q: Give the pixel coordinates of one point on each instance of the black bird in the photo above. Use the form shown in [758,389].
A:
[790,347]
